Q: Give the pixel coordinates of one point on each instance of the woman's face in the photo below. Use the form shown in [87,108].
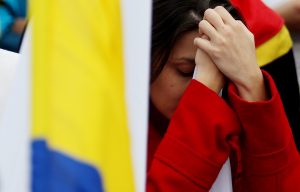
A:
[167,89]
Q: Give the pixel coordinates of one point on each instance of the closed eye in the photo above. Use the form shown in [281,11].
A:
[186,73]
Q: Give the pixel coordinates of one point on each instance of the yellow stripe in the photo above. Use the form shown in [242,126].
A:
[274,48]
[78,85]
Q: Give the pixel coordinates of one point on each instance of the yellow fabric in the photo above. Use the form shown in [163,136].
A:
[274,48]
[78,85]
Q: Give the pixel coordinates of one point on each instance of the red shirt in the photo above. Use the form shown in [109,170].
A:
[205,130]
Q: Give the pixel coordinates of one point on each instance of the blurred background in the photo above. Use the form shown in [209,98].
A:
[13,14]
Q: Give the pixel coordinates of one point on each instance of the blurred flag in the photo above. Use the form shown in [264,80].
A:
[274,54]
[81,138]
[272,39]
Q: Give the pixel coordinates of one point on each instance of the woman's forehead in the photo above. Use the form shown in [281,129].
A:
[184,47]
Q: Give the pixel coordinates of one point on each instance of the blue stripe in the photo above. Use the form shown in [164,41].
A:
[56,172]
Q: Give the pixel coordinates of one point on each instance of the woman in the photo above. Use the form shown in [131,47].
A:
[187,152]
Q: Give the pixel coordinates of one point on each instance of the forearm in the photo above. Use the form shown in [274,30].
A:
[268,149]
[264,122]
[195,146]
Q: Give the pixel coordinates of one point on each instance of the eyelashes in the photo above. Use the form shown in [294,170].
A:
[189,73]
[185,68]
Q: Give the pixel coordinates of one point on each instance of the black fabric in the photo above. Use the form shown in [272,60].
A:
[283,71]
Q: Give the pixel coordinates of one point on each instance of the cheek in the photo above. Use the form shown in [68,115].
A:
[166,92]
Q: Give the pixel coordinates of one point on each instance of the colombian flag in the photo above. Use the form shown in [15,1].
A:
[80,134]
[274,54]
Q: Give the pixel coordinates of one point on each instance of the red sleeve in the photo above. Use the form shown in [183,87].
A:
[270,159]
[195,146]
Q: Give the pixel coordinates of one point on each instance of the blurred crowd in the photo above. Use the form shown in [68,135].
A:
[12,23]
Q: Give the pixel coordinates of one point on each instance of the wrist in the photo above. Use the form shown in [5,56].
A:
[252,88]
[213,82]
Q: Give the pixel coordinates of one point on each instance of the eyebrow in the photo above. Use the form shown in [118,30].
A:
[186,59]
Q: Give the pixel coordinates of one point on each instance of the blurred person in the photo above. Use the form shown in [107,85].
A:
[284,73]
[290,11]
[12,23]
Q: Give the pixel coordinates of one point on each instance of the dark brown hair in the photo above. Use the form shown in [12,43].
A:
[172,18]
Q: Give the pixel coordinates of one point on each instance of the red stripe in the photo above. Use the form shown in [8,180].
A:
[261,20]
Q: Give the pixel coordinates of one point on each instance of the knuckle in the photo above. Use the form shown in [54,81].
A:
[216,52]
[219,8]
[202,24]
[227,31]
[237,24]
[208,13]
[222,41]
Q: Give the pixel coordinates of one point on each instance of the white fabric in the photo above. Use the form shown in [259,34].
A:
[8,64]
[136,17]
[14,120]
[273,3]
[223,182]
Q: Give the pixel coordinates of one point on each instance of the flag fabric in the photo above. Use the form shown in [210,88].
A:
[80,139]
[274,54]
